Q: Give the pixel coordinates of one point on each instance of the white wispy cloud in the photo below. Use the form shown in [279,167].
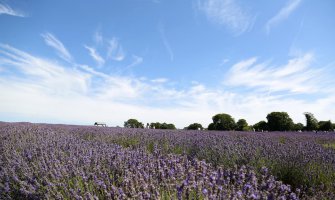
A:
[283,14]
[297,76]
[136,61]
[97,37]
[224,61]
[41,90]
[115,50]
[95,55]
[159,80]
[7,10]
[50,77]
[227,13]
[166,43]
[53,42]
[50,90]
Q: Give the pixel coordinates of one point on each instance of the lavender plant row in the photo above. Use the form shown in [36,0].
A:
[52,162]
[303,160]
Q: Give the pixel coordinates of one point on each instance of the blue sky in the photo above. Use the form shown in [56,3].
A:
[165,60]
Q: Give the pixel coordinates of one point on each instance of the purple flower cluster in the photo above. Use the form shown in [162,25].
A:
[71,162]
[304,160]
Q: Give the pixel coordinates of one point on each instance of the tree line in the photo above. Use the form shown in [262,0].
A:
[276,121]
[134,123]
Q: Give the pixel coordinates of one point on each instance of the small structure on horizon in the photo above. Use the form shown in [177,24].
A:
[100,124]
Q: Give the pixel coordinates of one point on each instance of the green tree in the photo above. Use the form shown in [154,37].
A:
[325,125]
[195,126]
[157,125]
[223,122]
[261,126]
[167,126]
[279,121]
[171,126]
[211,127]
[242,125]
[298,127]
[133,123]
[311,122]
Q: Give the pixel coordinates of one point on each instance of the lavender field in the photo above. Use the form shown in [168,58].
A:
[41,161]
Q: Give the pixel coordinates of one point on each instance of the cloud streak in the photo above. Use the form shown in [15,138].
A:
[283,14]
[72,93]
[95,55]
[98,39]
[227,13]
[115,50]
[49,77]
[53,42]
[166,43]
[112,47]
[136,61]
[159,80]
[297,76]
[7,10]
